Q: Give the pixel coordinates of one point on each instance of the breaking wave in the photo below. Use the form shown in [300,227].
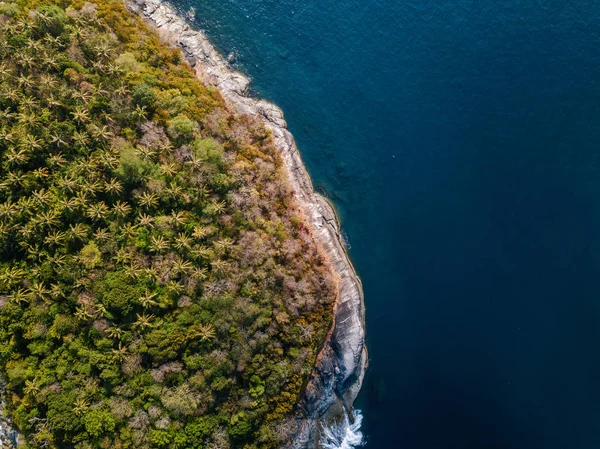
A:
[344,435]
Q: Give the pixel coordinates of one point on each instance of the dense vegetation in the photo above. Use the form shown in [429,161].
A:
[158,286]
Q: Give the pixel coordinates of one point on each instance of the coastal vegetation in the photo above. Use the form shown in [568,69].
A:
[159,287]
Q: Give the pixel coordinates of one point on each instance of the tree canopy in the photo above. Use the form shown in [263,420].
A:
[159,287]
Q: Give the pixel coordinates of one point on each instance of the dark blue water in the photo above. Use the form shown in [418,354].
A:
[460,140]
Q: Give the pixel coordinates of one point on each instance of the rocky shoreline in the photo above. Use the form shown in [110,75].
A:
[338,373]
[9,438]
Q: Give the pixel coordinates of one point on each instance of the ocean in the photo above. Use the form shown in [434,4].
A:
[460,142]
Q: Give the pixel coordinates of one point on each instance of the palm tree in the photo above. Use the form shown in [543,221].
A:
[57,160]
[113,186]
[82,199]
[26,81]
[139,113]
[69,204]
[55,238]
[39,291]
[42,196]
[50,62]
[195,164]
[148,199]
[55,138]
[31,142]
[179,218]
[98,211]
[115,332]
[15,156]
[219,266]
[202,252]
[200,232]
[145,220]
[113,70]
[122,90]
[7,209]
[56,291]
[58,259]
[54,102]
[216,208]
[82,314]
[30,103]
[31,388]
[182,266]
[121,352]
[40,173]
[158,244]
[48,218]
[81,95]
[80,406]
[35,252]
[28,119]
[174,191]
[15,178]
[78,231]
[100,310]
[5,71]
[175,288]
[145,152]
[82,282]
[143,321]
[182,241]
[151,274]
[123,255]
[81,138]
[110,159]
[147,300]
[223,245]
[92,187]
[19,296]
[69,184]
[206,332]
[26,60]
[121,208]
[168,169]
[102,234]
[128,230]
[133,272]
[199,273]
[99,66]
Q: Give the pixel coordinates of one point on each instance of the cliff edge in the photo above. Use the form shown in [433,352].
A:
[338,372]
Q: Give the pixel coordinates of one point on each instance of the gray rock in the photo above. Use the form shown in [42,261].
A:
[9,436]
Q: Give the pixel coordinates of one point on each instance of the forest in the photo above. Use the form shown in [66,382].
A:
[159,286]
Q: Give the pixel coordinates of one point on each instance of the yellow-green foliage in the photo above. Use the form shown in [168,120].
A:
[158,286]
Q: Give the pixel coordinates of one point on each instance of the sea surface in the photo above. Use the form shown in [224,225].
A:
[460,141]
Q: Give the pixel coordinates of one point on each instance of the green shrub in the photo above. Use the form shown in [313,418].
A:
[128,62]
[90,255]
[10,9]
[51,20]
[99,422]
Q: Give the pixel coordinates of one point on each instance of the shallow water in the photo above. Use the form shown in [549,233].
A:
[460,141]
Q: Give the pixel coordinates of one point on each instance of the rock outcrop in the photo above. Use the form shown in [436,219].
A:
[9,437]
[338,373]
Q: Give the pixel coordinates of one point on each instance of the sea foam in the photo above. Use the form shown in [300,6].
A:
[345,435]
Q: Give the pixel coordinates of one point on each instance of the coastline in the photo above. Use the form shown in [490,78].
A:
[339,369]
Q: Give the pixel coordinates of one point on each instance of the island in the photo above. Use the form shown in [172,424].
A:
[168,276]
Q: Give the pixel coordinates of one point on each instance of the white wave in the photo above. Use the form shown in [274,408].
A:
[344,435]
